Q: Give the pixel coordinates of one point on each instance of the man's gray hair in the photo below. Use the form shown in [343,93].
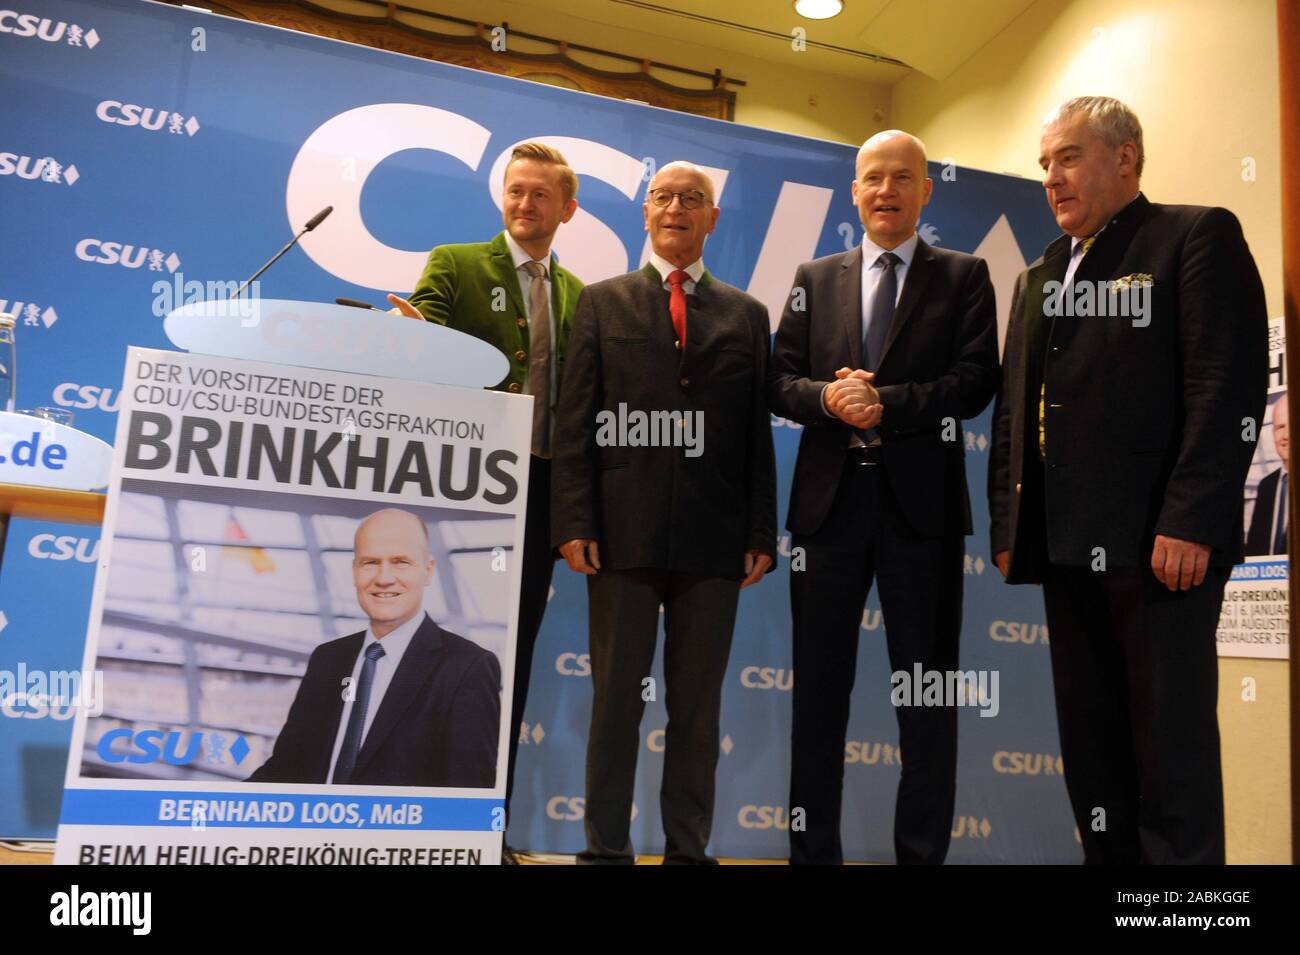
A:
[1110,119]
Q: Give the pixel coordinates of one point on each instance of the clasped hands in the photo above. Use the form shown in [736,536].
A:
[853,399]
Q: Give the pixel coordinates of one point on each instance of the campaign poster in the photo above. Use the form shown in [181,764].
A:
[1254,619]
[303,609]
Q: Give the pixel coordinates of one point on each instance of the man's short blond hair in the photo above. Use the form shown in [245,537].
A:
[549,154]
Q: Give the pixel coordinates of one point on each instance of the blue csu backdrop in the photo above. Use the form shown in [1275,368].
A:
[145,143]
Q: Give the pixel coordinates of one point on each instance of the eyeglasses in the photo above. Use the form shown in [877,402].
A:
[663,198]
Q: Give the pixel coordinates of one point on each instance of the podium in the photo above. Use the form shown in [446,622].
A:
[50,472]
[336,338]
[257,498]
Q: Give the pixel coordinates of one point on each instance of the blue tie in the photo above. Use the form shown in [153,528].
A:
[882,316]
[882,312]
[357,720]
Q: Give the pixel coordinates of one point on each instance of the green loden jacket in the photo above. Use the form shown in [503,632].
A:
[459,289]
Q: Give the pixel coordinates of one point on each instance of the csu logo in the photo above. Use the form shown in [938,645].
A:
[861,751]
[36,706]
[531,735]
[32,314]
[72,395]
[1014,631]
[43,28]
[573,664]
[763,817]
[570,808]
[766,678]
[146,117]
[969,827]
[150,746]
[127,256]
[654,742]
[49,547]
[46,169]
[1027,764]
[566,808]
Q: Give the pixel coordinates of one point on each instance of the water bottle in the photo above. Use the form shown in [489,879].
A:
[8,361]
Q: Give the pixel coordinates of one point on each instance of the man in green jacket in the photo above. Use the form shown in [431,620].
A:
[512,293]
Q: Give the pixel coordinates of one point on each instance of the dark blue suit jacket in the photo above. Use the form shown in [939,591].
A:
[940,362]
[437,724]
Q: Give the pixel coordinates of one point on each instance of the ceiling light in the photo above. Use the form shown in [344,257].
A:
[818,9]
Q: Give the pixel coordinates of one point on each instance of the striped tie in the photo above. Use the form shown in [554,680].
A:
[539,357]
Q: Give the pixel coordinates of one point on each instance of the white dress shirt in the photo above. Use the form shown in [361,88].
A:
[394,644]
[665,268]
[1076,248]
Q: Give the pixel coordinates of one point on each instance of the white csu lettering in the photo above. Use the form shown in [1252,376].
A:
[69,394]
[368,135]
[29,24]
[65,547]
[128,114]
[75,907]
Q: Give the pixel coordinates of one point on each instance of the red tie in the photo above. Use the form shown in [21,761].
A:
[677,303]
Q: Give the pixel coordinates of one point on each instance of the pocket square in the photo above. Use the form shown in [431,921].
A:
[1136,280]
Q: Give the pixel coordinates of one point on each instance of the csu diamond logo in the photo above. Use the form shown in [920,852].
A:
[534,734]
[727,745]
[91,38]
[70,174]
[49,316]
[173,263]
[192,125]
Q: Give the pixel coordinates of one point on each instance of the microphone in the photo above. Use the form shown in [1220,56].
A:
[354,303]
[312,223]
[317,219]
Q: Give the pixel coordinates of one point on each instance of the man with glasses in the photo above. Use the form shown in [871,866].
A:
[682,514]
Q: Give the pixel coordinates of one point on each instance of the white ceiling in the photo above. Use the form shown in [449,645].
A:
[933,37]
